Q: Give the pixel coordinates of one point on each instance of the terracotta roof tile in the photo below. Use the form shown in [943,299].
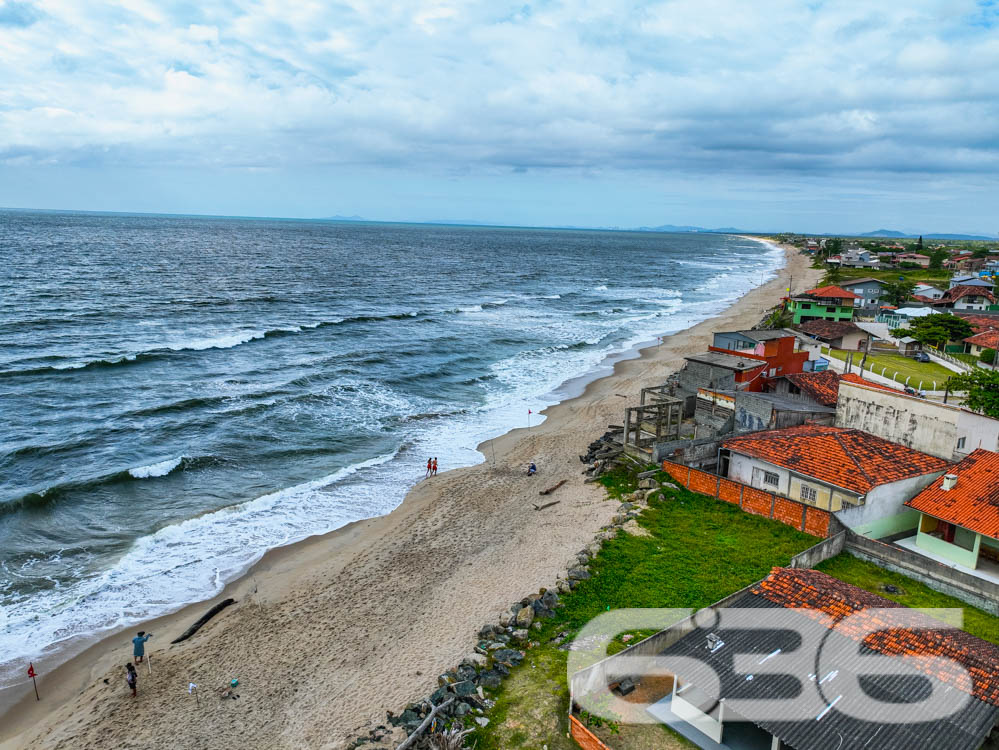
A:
[820,386]
[988,339]
[955,293]
[846,458]
[818,595]
[831,291]
[973,502]
[979,323]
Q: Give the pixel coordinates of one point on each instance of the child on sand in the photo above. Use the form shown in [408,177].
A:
[139,646]
[532,470]
[131,677]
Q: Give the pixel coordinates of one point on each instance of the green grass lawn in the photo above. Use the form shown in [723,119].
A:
[868,576]
[897,367]
[928,276]
[699,551]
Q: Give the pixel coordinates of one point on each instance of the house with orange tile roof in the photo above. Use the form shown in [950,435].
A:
[959,516]
[966,297]
[982,341]
[803,660]
[820,387]
[833,468]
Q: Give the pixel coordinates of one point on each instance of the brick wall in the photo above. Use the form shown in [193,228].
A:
[584,737]
[814,521]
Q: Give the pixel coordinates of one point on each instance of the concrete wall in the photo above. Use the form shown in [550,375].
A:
[923,425]
[827,548]
[977,592]
[883,507]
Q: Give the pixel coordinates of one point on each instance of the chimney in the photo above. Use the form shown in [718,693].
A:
[949,482]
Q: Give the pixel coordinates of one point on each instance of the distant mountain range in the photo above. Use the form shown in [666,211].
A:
[682,228]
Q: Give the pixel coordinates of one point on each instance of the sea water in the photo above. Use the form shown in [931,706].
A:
[178,395]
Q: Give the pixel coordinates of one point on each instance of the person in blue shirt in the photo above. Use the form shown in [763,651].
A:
[139,645]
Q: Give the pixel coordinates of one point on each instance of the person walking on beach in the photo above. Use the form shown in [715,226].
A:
[434,466]
[139,646]
[430,466]
[131,677]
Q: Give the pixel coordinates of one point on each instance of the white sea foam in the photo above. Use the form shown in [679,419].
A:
[192,560]
[160,469]
[226,341]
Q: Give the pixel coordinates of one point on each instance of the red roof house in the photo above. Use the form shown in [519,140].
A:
[830,467]
[960,513]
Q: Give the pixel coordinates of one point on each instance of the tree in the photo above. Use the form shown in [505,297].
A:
[835,274]
[832,246]
[982,388]
[919,244]
[988,356]
[897,292]
[936,329]
[937,257]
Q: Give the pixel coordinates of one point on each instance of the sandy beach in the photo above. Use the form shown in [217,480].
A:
[329,633]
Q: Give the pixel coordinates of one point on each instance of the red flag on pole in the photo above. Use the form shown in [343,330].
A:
[31,674]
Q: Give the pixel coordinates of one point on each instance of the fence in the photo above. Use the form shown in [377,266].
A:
[586,739]
[940,354]
[794,513]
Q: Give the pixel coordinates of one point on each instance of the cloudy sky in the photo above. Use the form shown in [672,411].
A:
[770,114]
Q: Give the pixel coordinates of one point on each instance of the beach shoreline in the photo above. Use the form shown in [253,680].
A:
[373,611]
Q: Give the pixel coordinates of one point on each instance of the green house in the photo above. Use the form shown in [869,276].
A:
[959,516]
[825,303]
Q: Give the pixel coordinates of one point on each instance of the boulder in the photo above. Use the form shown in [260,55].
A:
[625,507]
[670,485]
[564,587]
[525,617]
[549,599]
[509,655]
[577,574]
[486,631]
[466,672]
[490,679]
[461,709]
[505,619]
[520,635]
[463,689]
[482,721]
[648,484]
[439,695]
[472,660]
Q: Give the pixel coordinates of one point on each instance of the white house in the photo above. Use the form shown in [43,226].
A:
[831,468]
[929,291]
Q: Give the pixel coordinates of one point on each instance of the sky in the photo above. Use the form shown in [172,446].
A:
[766,115]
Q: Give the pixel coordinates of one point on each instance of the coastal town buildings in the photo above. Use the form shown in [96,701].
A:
[959,516]
[928,291]
[824,303]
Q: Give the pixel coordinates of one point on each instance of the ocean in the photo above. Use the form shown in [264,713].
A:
[178,395]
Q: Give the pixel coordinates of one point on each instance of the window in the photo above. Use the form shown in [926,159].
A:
[960,443]
[808,494]
[771,478]
[832,309]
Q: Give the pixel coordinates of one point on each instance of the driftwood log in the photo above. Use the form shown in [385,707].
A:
[554,487]
[409,741]
[546,505]
[202,620]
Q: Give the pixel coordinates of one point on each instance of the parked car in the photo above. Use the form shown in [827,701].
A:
[922,357]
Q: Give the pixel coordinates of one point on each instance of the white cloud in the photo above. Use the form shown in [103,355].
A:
[698,85]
